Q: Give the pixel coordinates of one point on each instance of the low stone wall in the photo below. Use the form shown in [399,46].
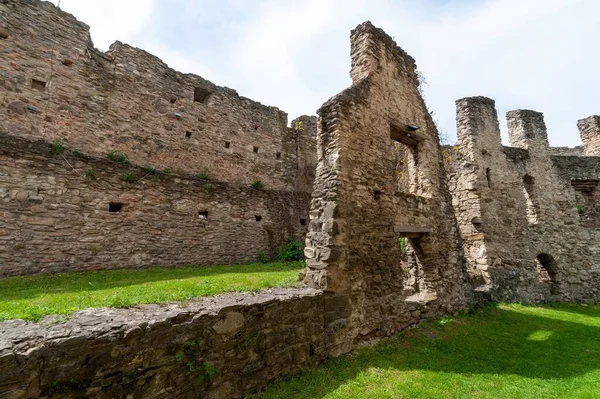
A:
[219,347]
[60,212]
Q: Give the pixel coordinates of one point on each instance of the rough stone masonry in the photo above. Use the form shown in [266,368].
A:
[399,228]
[68,211]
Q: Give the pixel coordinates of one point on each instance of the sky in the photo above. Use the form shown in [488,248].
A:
[295,54]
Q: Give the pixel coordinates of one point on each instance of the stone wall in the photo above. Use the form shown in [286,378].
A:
[528,219]
[234,344]
[359,211]
[54,85]
[219,347]
[56,214]
[589,129]
[393,236]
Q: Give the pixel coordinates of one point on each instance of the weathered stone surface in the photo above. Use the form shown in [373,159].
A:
[56,215]
[527,217]
[16,107]
[230,324]
[590,134]
[147,351]
[128,100]
[379,178]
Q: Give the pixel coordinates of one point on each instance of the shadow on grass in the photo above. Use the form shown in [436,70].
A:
[494,341]
[26,287]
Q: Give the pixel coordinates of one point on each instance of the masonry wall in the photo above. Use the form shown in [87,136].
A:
[219,347]
[54,85]
[380,178]
[519,208]
[55,214]
[359,210]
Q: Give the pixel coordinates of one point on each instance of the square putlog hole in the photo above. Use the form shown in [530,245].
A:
[227,144]
[188,135]
[38,84]
[115,207]
[203,214]
[255,149]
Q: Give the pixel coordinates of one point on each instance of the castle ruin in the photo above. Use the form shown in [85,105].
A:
[398,228]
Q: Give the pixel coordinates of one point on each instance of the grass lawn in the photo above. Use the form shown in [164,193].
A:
[503,351]
[37,296]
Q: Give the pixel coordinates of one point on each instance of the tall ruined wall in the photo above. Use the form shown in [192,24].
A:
[359,210]
[57,88]
[54,85]
[239,343]
[519,208]
[56,215]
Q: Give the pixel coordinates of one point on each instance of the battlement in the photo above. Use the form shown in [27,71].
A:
[477,125]
[589,129]
[527,129]
[478,131]
[507,197]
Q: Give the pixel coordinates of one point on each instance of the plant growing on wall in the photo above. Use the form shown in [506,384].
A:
[189,357]
[202,175]
[130,177]
[298,125]
[90,173]
[257,185]
[58,147]
[150,170]
[403,247]
[580,209]
[118,157]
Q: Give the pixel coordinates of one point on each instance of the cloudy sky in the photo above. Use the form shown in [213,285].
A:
[294,54]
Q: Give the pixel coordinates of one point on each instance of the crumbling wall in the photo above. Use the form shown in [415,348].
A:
[519,208]
[57,216]
[54,85]
[589,129]
[222,347]
[359,213]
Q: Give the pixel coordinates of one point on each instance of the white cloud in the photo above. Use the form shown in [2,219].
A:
[522,53]
[111,20]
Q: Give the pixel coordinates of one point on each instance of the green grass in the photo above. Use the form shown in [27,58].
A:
[503,351]
[37,296]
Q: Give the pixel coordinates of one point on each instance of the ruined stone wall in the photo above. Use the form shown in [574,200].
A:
[567,151]
[359,211]
[383,244]
[54,85]
[220,347]
[589,128]
[517,208]
[56,216]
